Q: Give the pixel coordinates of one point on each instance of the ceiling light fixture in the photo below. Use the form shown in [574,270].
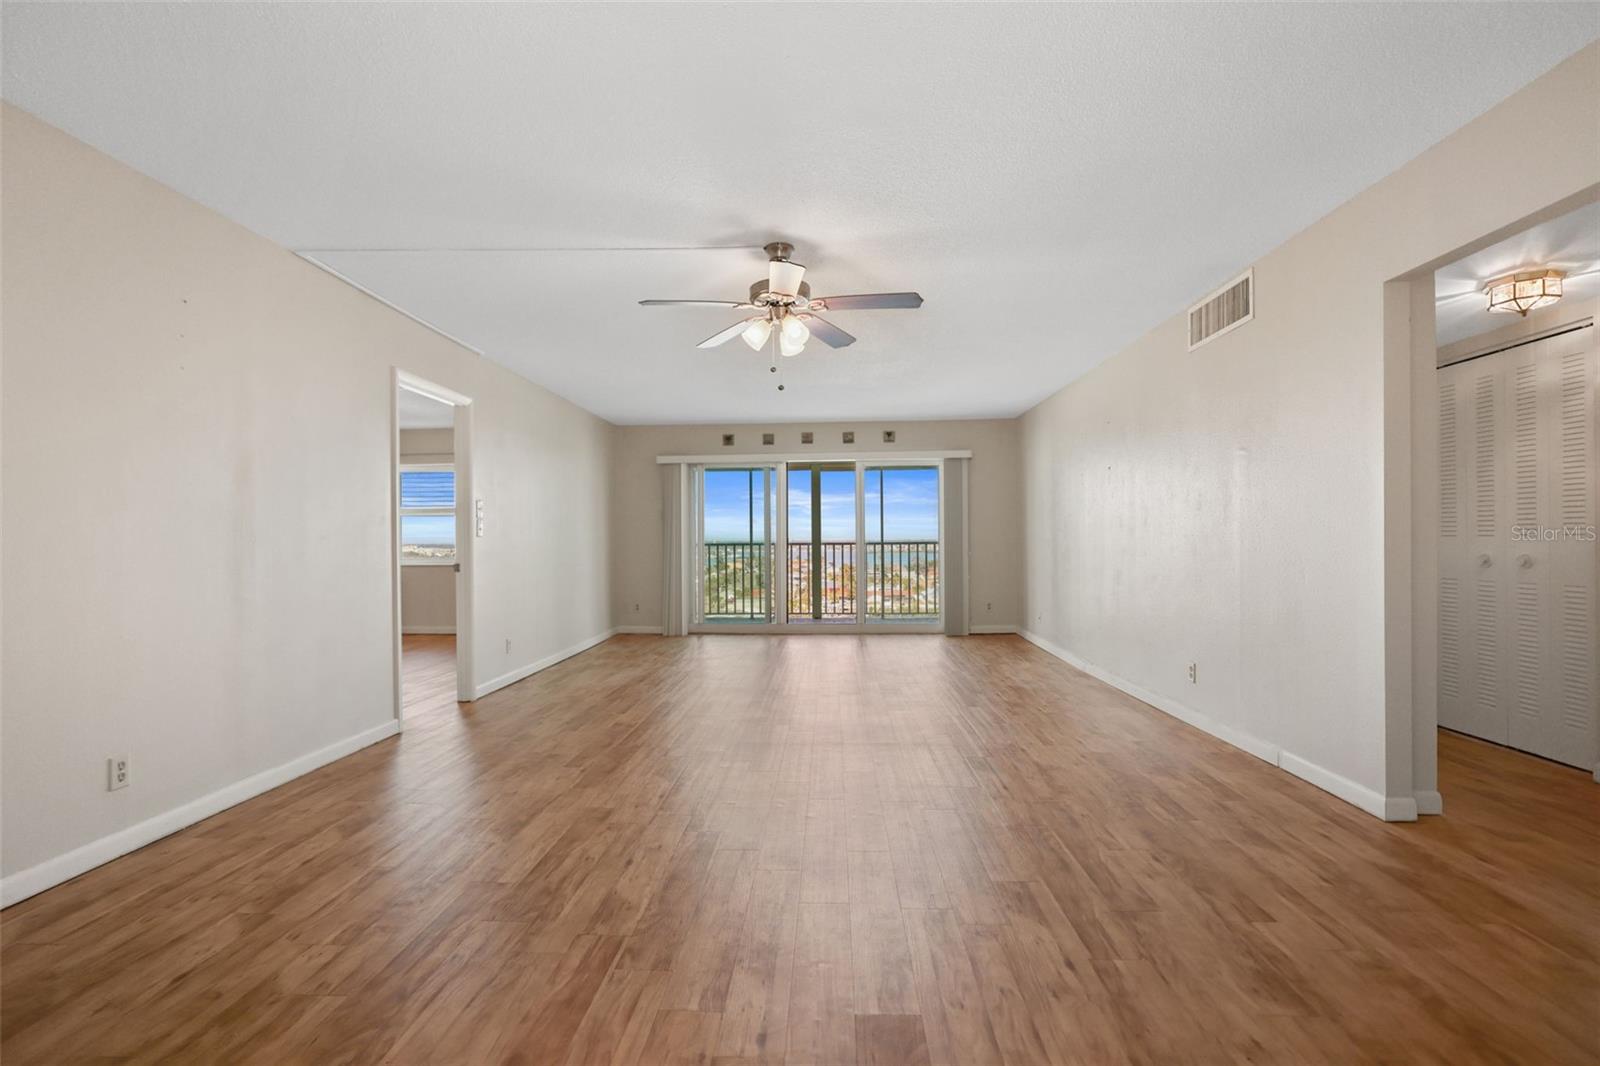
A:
[786,313]
[756,333]
[792,335]
[1523,292]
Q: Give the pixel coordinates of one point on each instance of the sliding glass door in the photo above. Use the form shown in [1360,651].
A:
[817,545]
[821,553]
[901,573]
[735,546]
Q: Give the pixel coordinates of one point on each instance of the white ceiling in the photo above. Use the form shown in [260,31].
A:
[1570,243]
[1054,179]
[419,412]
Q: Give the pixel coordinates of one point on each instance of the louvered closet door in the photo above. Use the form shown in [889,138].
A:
[1472,652]
[1517,596]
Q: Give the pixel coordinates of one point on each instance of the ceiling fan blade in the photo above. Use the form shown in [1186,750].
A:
[692,303]
[868,301]
[827,332]
[726,335]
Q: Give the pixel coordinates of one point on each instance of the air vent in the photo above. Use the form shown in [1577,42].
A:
[1226,309]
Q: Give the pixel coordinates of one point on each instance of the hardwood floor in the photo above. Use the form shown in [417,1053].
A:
[825,850]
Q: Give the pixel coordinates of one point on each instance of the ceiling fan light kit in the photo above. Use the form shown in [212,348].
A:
[786,312]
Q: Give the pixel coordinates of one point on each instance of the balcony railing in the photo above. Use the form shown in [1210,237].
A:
[902,581]
[735,584]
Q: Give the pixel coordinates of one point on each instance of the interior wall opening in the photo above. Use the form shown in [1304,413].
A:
[1517,553]
[434,521]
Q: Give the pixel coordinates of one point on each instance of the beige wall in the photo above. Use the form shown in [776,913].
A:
[427,445]
[995,503]
[427,599]
[203,592]
[1228,506]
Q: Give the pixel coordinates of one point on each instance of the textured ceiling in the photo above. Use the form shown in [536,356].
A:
[1570,243]
[1054,179]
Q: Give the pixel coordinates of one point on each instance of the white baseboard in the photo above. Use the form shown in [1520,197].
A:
[654,631]
[1389,808]
[978,631]
[19,886]
[513,676]
[1261,749]
[429,629]
[1430,803]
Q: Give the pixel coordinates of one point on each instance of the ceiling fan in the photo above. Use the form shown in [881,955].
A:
[786,310]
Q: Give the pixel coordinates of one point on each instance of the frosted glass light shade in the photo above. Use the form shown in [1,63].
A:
[783,277]
[792,336]
[756,334]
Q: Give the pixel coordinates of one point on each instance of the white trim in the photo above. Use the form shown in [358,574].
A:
[424,323]
[1389,808]
[513,676]
[424,630]
[426,562]
[654,631]
[983,631]
[19,886]
[1261,749]
[1430,803]
[903,458]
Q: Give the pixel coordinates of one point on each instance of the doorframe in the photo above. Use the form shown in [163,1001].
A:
[466,502]
[1411,518]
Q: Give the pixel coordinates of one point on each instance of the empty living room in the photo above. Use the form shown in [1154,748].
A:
[799,534]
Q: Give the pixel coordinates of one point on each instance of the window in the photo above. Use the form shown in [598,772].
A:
[427,515]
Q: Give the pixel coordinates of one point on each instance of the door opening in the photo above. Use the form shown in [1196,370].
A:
[434,523]
[1518,617]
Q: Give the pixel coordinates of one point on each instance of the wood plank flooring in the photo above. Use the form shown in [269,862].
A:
[825,850]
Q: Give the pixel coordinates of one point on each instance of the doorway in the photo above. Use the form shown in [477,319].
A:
[435,520]
[1517,551]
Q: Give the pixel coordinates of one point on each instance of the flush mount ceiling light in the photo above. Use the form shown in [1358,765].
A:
[1521,293]
[786,310]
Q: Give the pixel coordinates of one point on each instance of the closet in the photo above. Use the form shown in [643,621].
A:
[1517,557]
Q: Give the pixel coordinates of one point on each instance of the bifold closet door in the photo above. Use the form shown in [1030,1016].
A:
[1517,560]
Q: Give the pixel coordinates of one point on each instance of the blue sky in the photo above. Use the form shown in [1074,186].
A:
[910,504]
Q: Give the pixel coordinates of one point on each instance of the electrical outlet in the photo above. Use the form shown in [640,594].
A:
[1193,671]
[508,645]
[988,607]
[636,608]
[117,772]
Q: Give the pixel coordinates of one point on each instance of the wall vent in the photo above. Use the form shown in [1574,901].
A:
[1223,311]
